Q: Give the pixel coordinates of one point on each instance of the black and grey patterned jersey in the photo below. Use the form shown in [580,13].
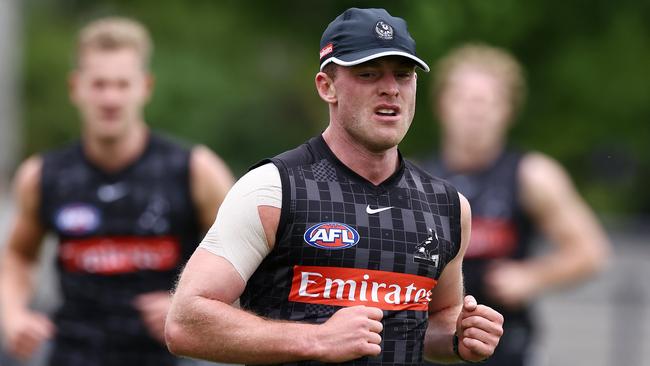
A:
[120,234]
[500,230]
[500,227]
[343,241]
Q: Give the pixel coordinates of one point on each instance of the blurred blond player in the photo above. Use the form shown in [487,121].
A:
[478,92]
[127,205]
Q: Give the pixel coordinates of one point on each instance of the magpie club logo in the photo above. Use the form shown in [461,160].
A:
[384,30]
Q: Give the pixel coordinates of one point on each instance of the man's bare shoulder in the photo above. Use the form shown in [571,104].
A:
[537,167]
[28,176]
[544,183]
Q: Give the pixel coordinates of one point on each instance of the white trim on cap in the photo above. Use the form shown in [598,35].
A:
[338,61]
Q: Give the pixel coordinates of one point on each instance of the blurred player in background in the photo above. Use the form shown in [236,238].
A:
[127,205]
[478,90]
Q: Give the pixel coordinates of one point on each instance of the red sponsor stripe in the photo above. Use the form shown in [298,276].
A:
[354,286]
[119,254]
[326,50]
[492,238]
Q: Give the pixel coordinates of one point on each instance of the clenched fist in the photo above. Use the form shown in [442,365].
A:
[350,333]
[479,329]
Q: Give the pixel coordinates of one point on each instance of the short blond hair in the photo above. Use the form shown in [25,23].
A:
[493,60]
[114,33]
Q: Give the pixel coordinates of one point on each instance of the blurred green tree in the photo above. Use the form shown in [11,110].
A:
[238,77]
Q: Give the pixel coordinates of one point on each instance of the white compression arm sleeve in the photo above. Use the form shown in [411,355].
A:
[237,234]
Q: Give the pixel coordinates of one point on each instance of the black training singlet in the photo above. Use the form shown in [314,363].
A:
[500,230]
[343,241]
[120,234]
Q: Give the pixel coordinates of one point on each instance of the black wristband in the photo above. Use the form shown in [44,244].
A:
[457,353]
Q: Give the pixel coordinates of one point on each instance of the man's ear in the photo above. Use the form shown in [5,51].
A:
[325,87]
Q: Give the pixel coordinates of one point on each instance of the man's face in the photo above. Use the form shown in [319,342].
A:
[474,107]
[110,88]
[375,101]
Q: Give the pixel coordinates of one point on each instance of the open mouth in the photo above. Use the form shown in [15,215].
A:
[110,113]
[387,112]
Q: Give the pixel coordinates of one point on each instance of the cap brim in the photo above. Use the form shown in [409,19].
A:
[363,56]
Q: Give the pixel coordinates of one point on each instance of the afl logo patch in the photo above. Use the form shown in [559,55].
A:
[383,30]
[331,235]
[77,219]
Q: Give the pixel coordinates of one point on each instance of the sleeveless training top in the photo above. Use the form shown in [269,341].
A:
[120,234]
[343,241]
[500,227]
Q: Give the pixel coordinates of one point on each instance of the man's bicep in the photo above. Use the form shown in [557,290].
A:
[449,289]
[551,199]
[244,230]
[210,276]
[27,230]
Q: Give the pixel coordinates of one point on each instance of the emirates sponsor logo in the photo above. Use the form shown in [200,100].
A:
[326,50]
[119,255]
[354,286]
[492,238]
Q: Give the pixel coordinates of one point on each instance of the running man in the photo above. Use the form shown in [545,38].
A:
[340,251]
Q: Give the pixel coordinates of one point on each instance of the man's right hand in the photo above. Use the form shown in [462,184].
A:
[349,334]
[25,331]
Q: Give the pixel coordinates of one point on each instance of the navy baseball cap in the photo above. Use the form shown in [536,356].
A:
[360,35]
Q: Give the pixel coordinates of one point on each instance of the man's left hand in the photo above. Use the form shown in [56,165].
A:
[479,329]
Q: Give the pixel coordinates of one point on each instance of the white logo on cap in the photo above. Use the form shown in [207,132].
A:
[383,30]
